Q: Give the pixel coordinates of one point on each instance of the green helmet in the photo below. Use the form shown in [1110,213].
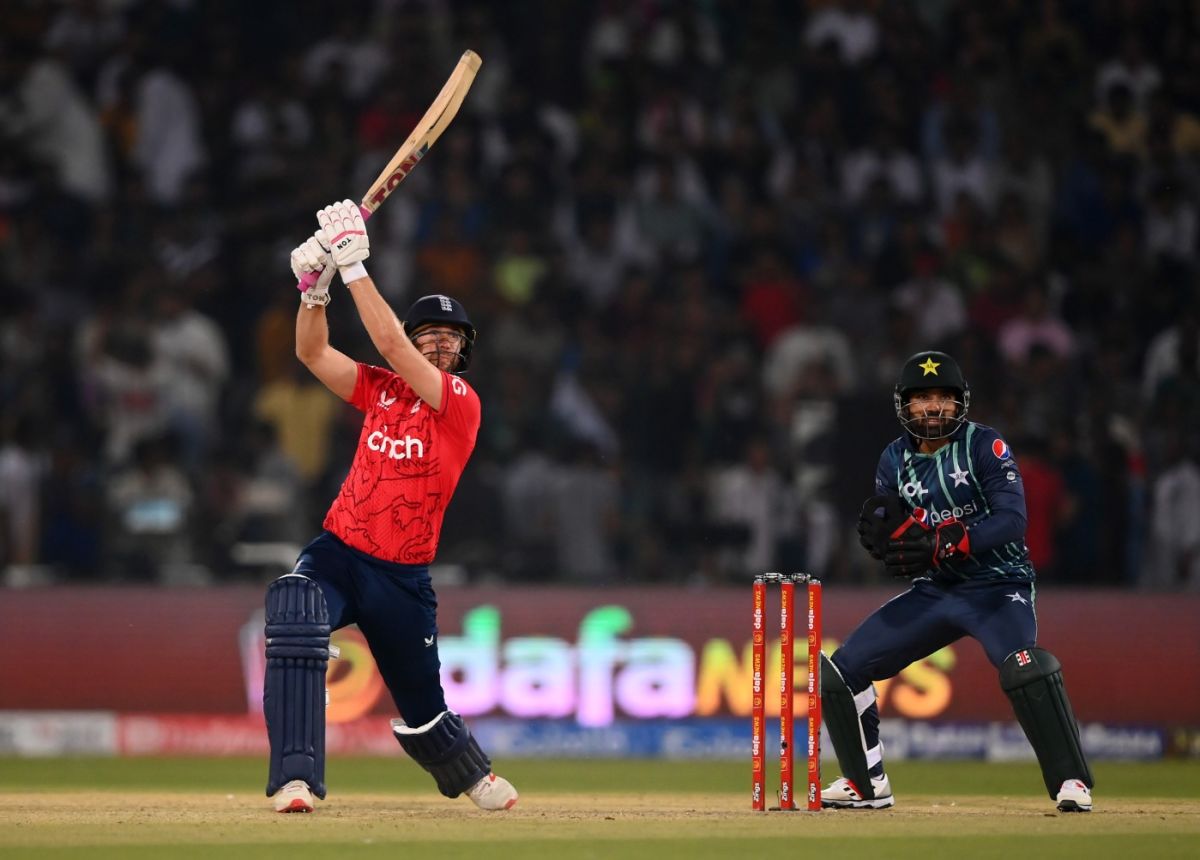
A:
[925,370]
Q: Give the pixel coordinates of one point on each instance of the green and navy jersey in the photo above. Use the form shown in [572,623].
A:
[975,480]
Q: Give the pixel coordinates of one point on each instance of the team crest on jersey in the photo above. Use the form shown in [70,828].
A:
[1000,449]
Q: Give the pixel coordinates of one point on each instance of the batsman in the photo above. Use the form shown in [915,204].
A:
[948,514]
[370,565]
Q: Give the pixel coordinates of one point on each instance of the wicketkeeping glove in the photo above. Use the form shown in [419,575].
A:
[345,233]
[869,520]
[307,259]
[878,520]
[916,548]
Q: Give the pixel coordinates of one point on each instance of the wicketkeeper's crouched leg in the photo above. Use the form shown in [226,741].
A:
[852,719]
[1032,679]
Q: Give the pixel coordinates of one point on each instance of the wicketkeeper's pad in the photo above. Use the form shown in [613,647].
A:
[1032,678]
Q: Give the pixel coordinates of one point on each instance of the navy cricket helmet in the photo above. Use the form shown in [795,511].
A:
[442,310]
[931,369]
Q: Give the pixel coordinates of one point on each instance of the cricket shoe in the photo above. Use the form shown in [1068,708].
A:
[492,793]
[1074,796]
[843,794]
[293,797]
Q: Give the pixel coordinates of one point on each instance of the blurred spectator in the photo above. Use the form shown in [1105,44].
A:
[849,25]
[882,157]
[1174,557]
[669,221]
[301,413]
[1170,223]
[772,298]
[169,147]
[1121,122]
[73,537]
[584,503]
[1129,69]
[346,57]
[1024,174]
[129,381]
[935,305]
[1172,351]
[196,361]
[1036,325]
[83,31]
[963,169]
[751,493]
[268,125]
[150,510]
[45,113]
[22,466]
[1047,503]
[803,349]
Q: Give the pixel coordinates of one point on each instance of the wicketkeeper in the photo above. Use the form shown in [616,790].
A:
[949,514]
[370,566]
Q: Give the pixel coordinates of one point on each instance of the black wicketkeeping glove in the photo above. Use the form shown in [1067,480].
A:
[916,548]
[878,520]
[868,518]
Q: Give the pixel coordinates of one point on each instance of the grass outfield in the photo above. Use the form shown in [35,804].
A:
[153,808]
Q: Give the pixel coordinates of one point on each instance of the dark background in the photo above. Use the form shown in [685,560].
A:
[698,240]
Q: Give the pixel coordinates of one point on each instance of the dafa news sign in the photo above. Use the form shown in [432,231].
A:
[173,668]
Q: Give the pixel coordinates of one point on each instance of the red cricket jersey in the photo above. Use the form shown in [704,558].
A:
[408,462]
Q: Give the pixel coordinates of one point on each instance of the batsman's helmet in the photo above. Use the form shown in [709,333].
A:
[931,370]
[439,309]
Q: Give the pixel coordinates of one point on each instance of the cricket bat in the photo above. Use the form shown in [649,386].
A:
[424,134]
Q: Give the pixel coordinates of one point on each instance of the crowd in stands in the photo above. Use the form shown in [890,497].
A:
[698,240]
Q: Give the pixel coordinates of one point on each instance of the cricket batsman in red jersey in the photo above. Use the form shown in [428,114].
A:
[370,566]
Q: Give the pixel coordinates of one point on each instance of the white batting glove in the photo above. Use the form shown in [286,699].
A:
[310,258]
[346,234]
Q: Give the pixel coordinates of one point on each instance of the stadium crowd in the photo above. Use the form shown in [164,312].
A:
[698,240]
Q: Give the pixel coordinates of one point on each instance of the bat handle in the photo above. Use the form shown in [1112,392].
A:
[310,278]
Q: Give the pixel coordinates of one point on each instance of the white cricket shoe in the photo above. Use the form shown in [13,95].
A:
[492,793]
[1074,796]
[293,797]
[842,794]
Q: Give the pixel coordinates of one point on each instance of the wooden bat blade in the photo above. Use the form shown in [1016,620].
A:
[426,132]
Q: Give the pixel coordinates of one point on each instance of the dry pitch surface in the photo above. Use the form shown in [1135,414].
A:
[657,823]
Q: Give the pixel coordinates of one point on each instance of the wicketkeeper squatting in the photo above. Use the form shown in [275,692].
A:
[949,514]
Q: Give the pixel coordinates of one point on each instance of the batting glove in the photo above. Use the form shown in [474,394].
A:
[308,259]
[345,233]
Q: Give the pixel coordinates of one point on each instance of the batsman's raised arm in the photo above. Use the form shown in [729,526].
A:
[335,369]
[343,228]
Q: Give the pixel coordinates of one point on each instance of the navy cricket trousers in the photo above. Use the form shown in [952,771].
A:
[929,616]
[998,614]
[395,607]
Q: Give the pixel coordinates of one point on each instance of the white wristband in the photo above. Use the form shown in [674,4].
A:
[312,299]
[352,272]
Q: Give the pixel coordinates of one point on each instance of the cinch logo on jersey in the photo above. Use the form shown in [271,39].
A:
[957,512]
[408,448]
